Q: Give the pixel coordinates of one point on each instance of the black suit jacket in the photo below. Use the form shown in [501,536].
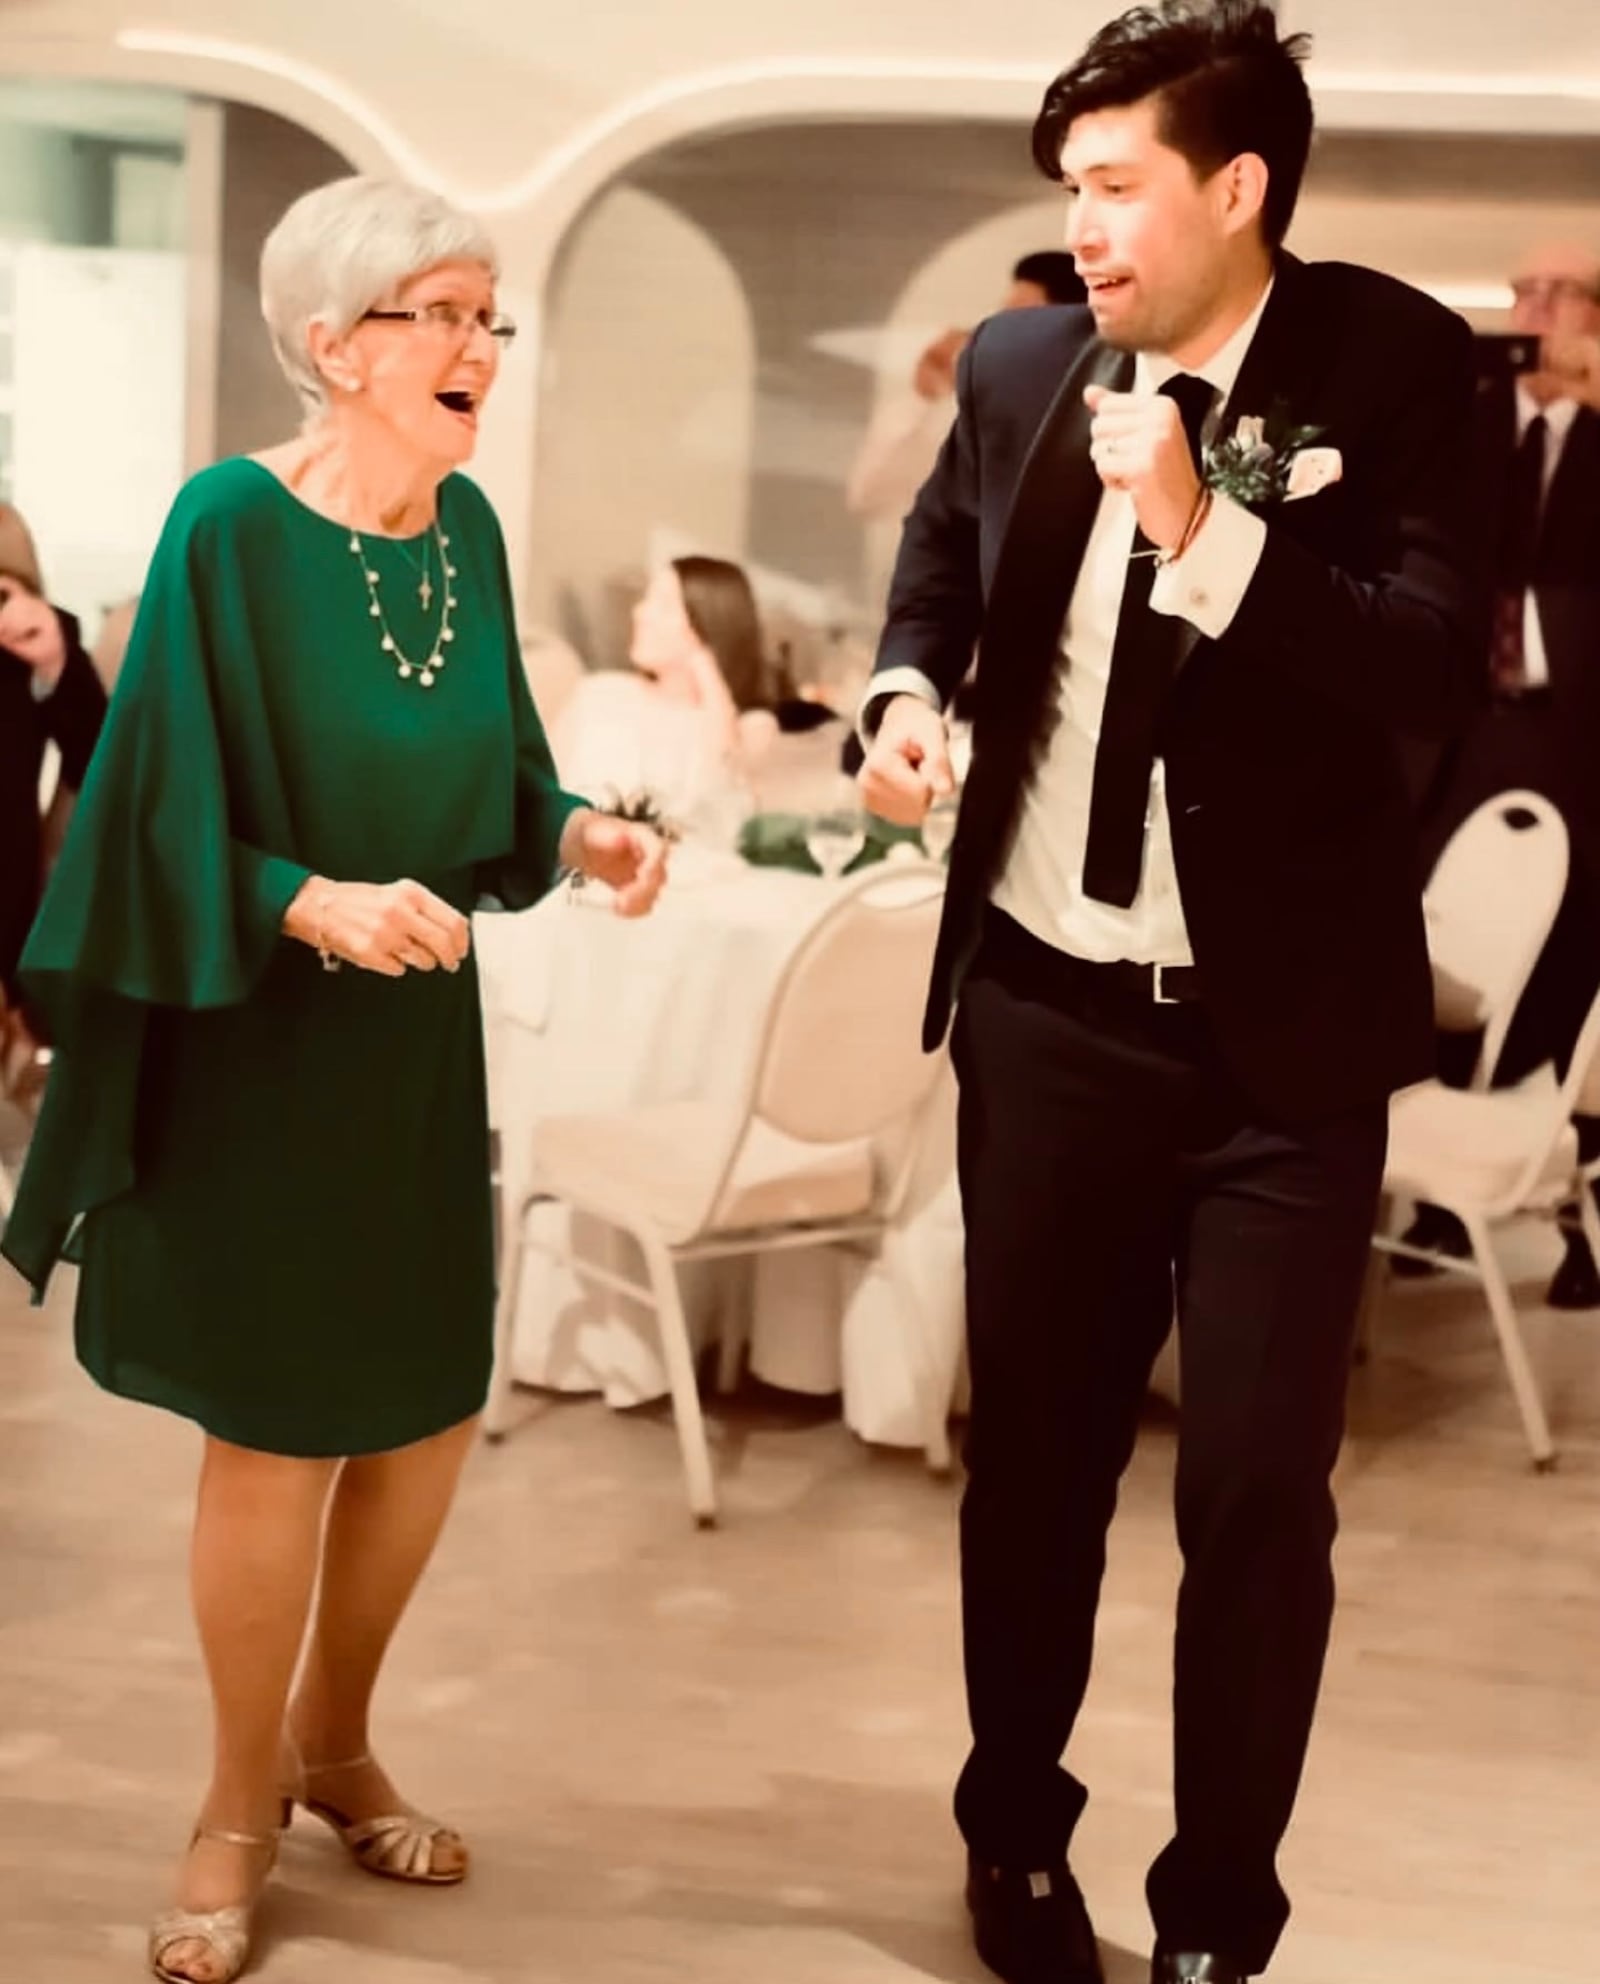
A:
[1366,617]
[1566,585]
[70,717]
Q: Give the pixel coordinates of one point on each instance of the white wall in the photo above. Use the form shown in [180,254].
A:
[99,418]
[647,400]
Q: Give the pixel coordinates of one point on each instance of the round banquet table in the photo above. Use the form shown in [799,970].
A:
[587,1011]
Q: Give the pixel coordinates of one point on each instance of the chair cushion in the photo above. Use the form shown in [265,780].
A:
[1468,1151]
[659,1164]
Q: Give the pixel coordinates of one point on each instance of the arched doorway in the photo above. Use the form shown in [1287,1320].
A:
[131,347]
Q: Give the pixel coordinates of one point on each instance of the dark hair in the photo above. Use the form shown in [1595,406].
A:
[1225,83]
[722,610]
[1055,272]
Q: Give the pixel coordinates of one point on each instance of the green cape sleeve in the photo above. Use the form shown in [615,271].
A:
[155,900]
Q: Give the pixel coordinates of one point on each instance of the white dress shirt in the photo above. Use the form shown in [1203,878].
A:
[1042,883]
[1558,418]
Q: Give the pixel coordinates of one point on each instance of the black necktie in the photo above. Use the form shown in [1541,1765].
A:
[1519,543]
[1142,661]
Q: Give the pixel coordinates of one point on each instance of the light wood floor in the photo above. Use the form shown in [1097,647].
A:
[725,1758]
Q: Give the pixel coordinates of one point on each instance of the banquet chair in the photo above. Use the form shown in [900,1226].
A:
[1491,1157]
[817,1148]
[1489,906]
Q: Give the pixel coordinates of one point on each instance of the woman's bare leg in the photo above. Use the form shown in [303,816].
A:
[257,1535]
[385,1518]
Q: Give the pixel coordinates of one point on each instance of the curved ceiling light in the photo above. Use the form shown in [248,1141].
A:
[560,159]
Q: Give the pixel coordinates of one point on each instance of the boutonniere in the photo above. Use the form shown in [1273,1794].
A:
[1268,459]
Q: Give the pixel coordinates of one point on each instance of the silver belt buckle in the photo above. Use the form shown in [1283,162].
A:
[1164,998]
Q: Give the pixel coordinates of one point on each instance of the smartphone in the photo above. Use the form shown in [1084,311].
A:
[1506,354]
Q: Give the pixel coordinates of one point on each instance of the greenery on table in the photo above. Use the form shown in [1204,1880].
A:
[778,840]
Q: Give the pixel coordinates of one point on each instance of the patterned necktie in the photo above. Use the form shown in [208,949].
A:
[1143,658]
[1519,541]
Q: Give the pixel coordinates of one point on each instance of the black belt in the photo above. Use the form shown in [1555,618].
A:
[1059,974]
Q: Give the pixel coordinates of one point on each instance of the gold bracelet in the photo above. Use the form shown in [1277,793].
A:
[325,957]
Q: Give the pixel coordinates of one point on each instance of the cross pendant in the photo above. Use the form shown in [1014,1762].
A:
[425,592]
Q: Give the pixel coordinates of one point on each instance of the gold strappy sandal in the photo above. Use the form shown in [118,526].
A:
[400,1846]
[224,1931]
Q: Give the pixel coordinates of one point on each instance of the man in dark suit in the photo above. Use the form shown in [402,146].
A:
[49,692]
[1183,920]
[1538,473]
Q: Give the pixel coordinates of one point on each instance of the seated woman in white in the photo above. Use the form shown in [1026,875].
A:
[689,720]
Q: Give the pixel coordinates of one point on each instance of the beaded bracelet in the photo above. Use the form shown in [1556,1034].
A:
[325,957]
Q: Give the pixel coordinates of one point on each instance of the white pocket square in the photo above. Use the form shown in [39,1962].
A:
[1313,469]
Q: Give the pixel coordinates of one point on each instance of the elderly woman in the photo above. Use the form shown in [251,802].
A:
[691,717]
[268,1108]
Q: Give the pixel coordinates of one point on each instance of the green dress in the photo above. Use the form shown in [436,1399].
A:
[275,1176]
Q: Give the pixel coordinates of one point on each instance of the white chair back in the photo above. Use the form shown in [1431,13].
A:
[842,1057]
[1489,904]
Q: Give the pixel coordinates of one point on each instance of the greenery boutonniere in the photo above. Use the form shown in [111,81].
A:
[1256,461]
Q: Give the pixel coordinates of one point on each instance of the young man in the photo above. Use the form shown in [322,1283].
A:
[1184,921]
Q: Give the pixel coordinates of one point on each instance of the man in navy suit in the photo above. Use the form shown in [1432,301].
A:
[1184,925]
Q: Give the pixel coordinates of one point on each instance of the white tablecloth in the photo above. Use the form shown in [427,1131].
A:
[587,1011]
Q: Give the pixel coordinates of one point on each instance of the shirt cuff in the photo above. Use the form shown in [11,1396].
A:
[902,681]
[1207,585]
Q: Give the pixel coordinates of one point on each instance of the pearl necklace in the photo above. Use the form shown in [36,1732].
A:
[426,672]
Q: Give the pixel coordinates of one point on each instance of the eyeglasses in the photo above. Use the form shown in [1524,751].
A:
[1553,289]
[452,318]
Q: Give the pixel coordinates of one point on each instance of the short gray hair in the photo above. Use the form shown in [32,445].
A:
[343,249]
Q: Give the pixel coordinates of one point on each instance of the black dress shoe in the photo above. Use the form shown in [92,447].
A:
[1032,1928]
[1576,1284]
[1193,1968]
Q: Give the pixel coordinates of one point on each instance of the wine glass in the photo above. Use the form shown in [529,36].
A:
[836,835]
[939,828]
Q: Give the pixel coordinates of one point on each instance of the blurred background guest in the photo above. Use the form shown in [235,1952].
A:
[898,452]
[905,435]
[1539,464]
[19,557]
[280,1170]
[49,694]
[692,717]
